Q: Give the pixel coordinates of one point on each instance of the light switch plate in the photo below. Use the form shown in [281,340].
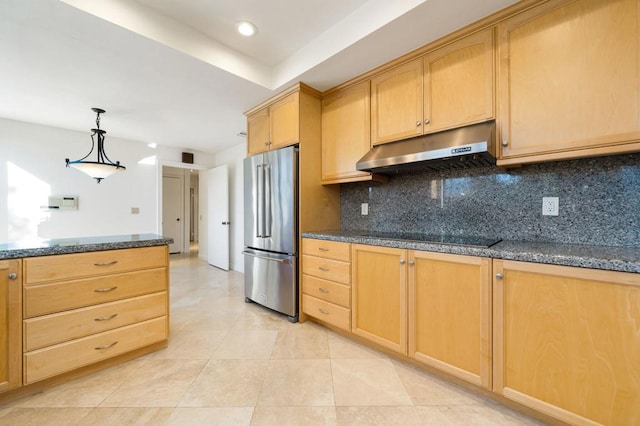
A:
[364,209]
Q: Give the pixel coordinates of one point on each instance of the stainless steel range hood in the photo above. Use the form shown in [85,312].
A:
[464,147]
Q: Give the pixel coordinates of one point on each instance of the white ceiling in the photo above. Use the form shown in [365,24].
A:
[174,72]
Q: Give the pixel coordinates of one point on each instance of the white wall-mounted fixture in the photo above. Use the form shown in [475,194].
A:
[550,206]
[103,167]
[246,28]
[62,202]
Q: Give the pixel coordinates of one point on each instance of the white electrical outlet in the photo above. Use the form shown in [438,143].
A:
[550,206]
[364,209]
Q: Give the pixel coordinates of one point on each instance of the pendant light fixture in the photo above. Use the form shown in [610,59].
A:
[103,167]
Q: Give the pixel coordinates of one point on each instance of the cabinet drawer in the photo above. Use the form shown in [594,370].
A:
[327,290]
[327,269]
[327,312]
[57,328]
[50,298]
[327,249]
[53,360]
[70,266]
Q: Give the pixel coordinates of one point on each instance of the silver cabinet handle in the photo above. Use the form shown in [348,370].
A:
[418,123]
[323,290]
[13,276]
[426,121]
[505,143]
[402,261]
[99,348]
[323,268]
[499,276]
[105,318]
[113,262]
[323,312]
[411,263]
[323,249]
[105,290]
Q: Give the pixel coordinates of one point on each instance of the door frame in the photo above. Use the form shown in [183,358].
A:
[160,164]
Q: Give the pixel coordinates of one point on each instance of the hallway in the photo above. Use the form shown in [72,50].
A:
[232,363]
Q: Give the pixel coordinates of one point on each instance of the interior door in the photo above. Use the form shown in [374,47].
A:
[218,217]
[172,212]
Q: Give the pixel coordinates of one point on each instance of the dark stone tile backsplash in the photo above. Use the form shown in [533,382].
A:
[599,202]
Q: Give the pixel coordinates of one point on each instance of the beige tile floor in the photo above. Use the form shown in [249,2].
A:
[232,363]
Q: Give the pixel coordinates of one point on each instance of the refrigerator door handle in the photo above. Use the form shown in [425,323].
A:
[259,185]
[267,202]
[285,261]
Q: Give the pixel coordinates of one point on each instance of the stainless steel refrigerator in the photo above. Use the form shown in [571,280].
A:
[271,230]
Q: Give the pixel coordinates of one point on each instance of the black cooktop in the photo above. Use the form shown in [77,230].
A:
[458,240]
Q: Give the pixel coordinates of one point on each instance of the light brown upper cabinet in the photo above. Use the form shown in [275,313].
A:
[274,126]
[345,133]
[569,82]
[449,87]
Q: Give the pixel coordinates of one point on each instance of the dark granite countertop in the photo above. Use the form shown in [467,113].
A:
[625,259]
[43,247]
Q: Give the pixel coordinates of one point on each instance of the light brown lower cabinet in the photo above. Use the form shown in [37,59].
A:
[567,341]
[450,314]
[10,324]
[379,295]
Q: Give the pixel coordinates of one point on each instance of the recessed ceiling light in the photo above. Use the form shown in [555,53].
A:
[246,28]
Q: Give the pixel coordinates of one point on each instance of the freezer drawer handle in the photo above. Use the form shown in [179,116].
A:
[285,261]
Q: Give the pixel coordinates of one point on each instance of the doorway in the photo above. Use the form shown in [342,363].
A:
[180,206]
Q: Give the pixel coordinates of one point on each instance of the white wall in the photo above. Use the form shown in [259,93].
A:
[233,157]
[32,167]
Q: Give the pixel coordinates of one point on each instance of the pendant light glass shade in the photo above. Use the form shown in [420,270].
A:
[103,167]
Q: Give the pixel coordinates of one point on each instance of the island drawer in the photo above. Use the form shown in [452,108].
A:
[49,298]
[327,249]
[327,312]
[72,266]
[61,327]
[327,269]
[327,290]
[53,360]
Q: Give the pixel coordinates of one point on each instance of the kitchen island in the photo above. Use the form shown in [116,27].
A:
[551,327]
[75,305]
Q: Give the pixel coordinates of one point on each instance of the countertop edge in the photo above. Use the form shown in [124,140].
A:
[85,245]
[545,253]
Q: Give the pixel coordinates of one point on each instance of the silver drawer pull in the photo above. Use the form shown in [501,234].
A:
[12,276]
[99,348]
[323,268]
[323,249]
[323,290]
[113,262]
[105,318]
[323,312]
[105,290]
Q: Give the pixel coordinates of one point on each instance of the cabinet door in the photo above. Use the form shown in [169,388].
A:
[567,341]
[345,133]
[450,314]
[569,80]
[284,121]
[459,83]
[396,103]
[11,324]
[379,296]
[258,132]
